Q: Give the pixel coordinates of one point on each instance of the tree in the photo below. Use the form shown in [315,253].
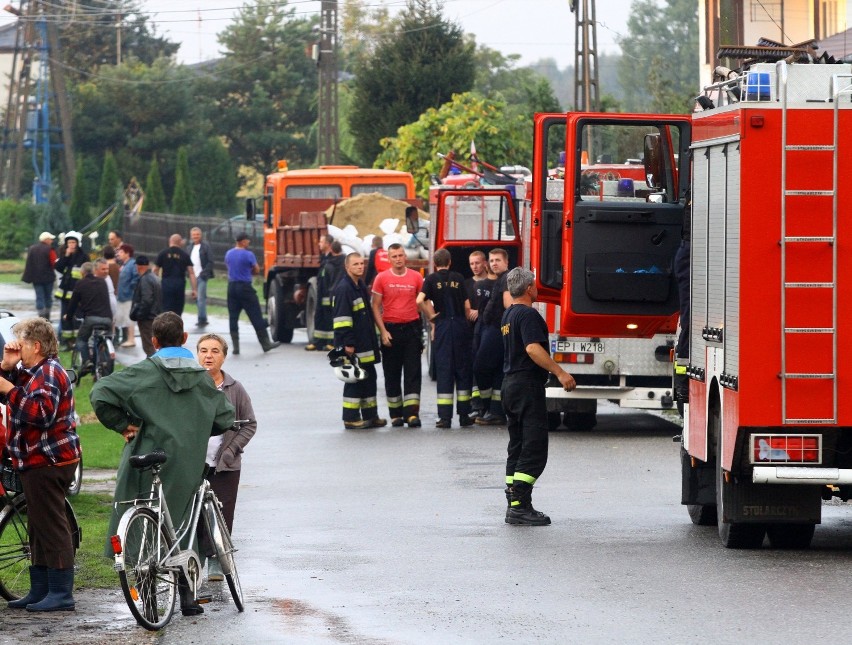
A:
[501,134]
[214,179]
[88,37]
[78,210]
[110,183]
[183,201]
[522,89]
[265,87]
[659,65]
[155,197]
[138,111]
[420,65]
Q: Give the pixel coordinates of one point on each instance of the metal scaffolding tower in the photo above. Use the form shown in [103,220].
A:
[37,119]
[328,143]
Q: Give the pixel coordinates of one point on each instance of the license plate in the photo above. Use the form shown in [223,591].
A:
[577,347]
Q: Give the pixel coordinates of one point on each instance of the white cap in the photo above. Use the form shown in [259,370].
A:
[77,236]
[46,236]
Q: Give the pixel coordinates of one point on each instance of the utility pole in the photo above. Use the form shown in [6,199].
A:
[328,143]
[586,97]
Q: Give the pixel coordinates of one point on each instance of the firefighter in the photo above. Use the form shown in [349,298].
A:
[355,331]
[478,289]
[329,271]
[488,364]
[395,292]
[527,365]
[446,305]
[68,264]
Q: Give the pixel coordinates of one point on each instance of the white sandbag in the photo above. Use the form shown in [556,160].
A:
[389,225]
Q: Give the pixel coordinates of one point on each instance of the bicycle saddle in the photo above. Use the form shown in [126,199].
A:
[144,461]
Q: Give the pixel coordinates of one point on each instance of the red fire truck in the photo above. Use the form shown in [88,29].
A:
[765,425]
[618,365]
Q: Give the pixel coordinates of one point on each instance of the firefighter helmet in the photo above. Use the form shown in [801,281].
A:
[350,371]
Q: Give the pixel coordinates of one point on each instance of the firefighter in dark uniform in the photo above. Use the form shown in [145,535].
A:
[488,364]
[326,279]
[478,289]
[355,331]
[526,365]
[445,303]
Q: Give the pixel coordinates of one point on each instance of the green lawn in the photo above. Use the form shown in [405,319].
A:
[94,570]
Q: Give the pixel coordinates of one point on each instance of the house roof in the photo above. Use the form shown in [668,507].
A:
[838,45]
[7,37]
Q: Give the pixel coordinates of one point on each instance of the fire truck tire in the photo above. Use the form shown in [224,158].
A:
[734,535]
[585,420]
[554,420]
[702,514]
[790,536]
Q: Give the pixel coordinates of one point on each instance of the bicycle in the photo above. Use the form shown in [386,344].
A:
[14,537]
[101,352]
[148,556]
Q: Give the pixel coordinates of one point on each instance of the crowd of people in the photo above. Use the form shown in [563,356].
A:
[122,289]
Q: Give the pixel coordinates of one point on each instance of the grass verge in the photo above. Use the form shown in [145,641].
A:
[94,570]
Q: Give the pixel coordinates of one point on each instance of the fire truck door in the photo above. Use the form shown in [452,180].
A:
[622,234]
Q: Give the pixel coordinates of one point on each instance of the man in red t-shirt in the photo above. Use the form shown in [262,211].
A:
[398,318]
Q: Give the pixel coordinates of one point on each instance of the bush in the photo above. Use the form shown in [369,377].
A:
[16,222]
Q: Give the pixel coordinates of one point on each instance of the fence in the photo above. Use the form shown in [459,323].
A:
[149,233]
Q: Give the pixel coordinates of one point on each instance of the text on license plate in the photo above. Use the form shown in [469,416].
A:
[577,346]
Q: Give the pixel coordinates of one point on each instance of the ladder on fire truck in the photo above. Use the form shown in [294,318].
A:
[794,200]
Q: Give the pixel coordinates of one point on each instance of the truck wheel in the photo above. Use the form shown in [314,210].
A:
[790,536]
[583,419]
[734,535]
[702,514]
[277,312]
[554,419]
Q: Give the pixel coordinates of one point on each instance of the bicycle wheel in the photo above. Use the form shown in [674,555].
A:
[15,546]
[149,589]
[103,363]
[77,364]
[221,538]
[14,549]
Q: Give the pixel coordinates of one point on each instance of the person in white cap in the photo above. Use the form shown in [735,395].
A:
[38,271]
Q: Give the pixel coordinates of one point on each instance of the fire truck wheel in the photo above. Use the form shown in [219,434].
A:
[702,514]
[581,421]
[734,535]
[554,419]
[790,536]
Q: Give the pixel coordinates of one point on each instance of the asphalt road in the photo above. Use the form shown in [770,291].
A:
[397,536]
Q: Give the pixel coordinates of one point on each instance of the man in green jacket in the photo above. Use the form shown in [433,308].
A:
[167,401]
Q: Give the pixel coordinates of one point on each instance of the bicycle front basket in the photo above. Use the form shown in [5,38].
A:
[10,479]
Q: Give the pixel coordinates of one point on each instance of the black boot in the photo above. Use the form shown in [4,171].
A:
[265,341]
[60,588]
[521,510]
[235,344]
[38,588]
[188,605]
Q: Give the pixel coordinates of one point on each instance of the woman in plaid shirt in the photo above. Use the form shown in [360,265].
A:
[45,449]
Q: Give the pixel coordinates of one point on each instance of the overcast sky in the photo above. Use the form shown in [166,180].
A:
[533,28]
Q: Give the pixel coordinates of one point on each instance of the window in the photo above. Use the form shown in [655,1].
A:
[395,191]
[478,217]
[314,191]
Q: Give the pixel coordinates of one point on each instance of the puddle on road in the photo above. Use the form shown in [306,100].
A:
[305,618]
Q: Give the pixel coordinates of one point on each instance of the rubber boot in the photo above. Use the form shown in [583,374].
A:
[60,587]
[188,605]
[235,344]
[265,341]
[509,490]
[521,510]
[38,588]
[44,313]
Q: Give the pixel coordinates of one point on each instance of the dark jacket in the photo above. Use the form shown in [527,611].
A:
[69,267]
[90,298]
[353,320]
[147,298]
[39,266]
[206,255]
[330,273]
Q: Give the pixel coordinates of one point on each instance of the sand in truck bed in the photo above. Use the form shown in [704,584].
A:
[366,211]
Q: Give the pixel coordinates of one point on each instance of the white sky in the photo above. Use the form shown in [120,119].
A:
[533,28]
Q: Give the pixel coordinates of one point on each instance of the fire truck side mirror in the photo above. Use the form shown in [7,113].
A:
[654,170]
[251,209]
[412,223]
